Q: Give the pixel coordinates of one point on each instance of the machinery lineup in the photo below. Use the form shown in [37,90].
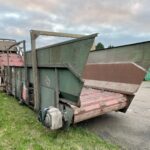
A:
[57,82]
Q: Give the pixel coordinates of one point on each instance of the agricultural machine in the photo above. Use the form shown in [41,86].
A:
[10,55]
[58,84]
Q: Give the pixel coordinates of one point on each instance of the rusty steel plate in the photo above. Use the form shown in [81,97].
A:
[14,60]
[97,102]
[115,72]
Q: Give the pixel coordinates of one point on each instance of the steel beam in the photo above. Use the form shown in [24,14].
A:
[58,34]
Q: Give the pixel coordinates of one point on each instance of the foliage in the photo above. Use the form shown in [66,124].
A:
[110,46]
[20,130]
[99,46]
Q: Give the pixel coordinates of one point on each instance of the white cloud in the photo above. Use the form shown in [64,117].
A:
[117,21]
[12,15]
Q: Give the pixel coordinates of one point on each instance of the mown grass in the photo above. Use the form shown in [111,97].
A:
[20,130]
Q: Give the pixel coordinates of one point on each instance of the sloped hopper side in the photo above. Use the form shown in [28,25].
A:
[108,87]
[60,68]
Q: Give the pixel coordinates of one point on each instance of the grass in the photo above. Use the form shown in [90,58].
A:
[20,130]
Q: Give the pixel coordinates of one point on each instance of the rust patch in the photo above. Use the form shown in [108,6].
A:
[97,102]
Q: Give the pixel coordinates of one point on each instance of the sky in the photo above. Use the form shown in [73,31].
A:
[118,22]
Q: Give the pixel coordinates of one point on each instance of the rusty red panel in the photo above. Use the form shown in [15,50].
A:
[115,72]
[97,102]
[14,60]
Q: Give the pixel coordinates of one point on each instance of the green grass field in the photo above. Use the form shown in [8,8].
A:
[20,130]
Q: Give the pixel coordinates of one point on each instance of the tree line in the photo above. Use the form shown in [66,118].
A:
[101,46]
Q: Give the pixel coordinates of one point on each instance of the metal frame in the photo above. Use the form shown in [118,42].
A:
[24,50]
[34,34]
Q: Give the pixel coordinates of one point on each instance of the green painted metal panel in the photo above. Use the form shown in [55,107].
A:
[69,58]
[70,86]
[30,75]
[60,68]
[47,97]
[47,87]
[47,77]
[13,81]
[43,57]
[18,82]
[28,57]
[74,52]
[23,74]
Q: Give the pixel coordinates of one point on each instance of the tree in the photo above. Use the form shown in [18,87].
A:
[110,46]
[99,46]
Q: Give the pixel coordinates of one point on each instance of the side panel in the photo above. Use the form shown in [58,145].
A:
[115,72]
[69,59]
[47,97]
[18,82]
[48,86]
[70,86]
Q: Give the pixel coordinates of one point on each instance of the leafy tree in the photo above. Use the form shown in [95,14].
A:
[110,46]
[99,46]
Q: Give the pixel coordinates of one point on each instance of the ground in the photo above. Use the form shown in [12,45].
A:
[20,130]
[130,130]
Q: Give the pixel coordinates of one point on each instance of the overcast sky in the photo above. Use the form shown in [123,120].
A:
[117,21]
